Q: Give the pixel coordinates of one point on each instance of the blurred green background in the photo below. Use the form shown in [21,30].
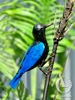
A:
[17,18]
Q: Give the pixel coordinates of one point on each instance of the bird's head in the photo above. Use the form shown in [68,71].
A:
[39,31]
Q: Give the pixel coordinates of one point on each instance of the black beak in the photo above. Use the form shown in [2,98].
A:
[47,25]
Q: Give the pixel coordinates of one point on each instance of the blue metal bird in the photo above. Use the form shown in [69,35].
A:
[35,55]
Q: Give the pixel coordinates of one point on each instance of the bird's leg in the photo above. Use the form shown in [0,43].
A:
[44,62]
[41,65]
[43,71]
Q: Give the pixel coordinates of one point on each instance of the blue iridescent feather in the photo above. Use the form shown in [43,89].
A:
[31,57]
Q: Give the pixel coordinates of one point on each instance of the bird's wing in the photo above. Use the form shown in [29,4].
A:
[32,55]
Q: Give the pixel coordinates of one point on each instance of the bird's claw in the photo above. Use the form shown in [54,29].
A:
[46,73]
[43,71]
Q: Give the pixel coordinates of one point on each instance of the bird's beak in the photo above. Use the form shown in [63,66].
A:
[47,25]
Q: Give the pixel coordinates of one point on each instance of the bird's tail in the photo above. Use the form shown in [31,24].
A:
[14,82]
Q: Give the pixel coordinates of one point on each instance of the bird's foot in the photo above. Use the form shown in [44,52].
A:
[43,71]
[42,64]
[48,71]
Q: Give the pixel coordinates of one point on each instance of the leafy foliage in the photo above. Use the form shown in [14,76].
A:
[17,19]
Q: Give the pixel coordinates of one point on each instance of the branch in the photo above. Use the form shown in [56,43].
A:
[58,37]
